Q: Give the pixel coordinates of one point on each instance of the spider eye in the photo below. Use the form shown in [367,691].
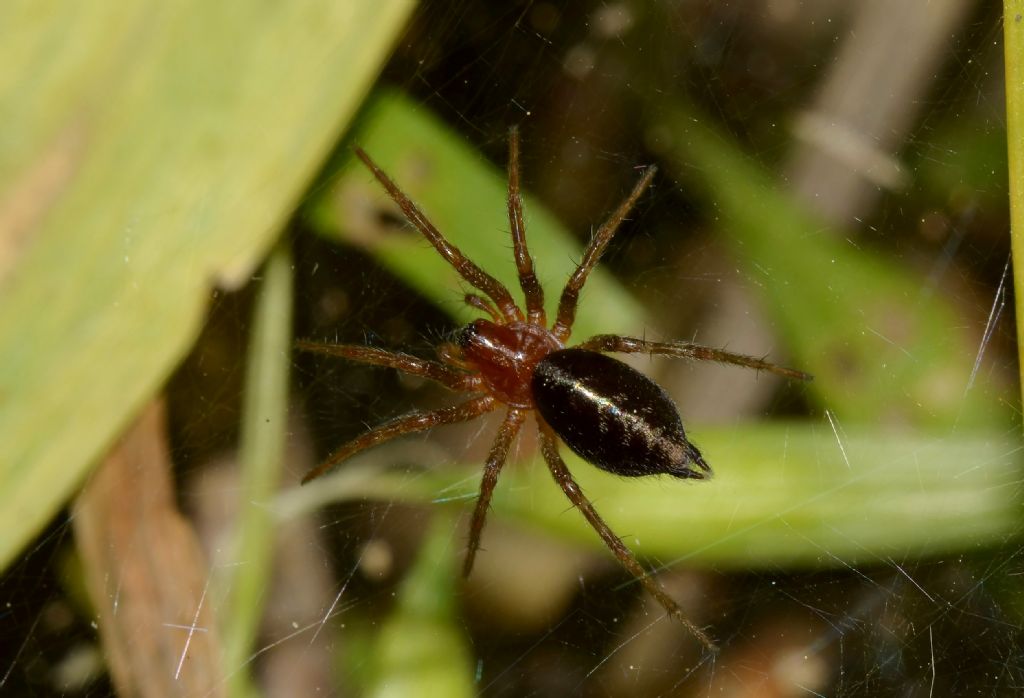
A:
[465,336]
[478,332]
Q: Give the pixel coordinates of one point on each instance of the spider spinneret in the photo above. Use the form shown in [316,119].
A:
[610,414]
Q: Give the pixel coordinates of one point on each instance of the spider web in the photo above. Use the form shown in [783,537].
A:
[913,172]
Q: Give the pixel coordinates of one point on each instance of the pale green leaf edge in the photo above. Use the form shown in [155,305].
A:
[1013,31]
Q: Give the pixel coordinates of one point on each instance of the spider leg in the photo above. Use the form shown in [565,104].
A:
[532,289]
[481,303]
[549,447]
[448,377]
[468,269]
[687,350]
[597,246]
[495,462]
[451,355]
[418,421]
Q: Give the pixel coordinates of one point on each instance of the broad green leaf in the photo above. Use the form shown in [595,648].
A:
[149,151]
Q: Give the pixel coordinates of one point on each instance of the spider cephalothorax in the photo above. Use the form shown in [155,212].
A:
[607,412]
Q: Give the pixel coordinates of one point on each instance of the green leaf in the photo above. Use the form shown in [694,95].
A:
[800,496]
[882,347]
[149,150]
[1013,35]
[783,496]
[421,650]
[465,198]
[264,430]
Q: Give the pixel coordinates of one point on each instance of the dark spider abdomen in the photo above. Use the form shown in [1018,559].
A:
[613,416]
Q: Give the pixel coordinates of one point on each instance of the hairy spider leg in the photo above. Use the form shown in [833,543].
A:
[687,350]
[495,462]
[466,267]
[565,480]
[418,421]
[481,303]
[532,289]
[448,377]
[571,293]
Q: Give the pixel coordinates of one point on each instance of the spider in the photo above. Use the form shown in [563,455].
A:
[607,412]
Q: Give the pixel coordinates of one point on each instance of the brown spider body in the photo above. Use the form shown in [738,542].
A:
[607,412]
[505,356]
